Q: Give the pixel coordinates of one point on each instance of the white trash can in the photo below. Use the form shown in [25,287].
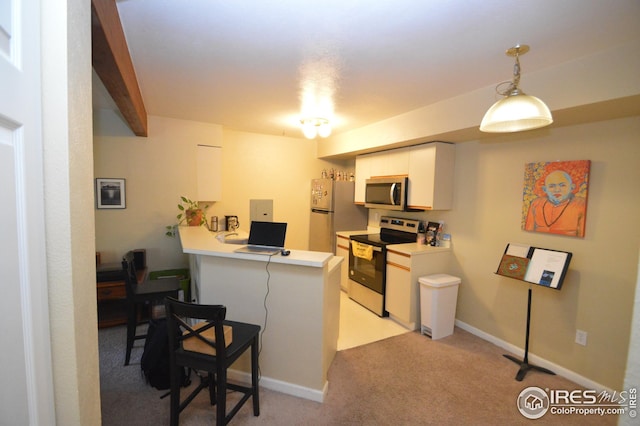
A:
[438,298]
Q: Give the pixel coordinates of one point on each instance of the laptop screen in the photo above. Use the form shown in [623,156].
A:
[267,234]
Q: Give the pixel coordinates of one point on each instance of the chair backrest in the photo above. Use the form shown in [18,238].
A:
[191,321]
[129,272]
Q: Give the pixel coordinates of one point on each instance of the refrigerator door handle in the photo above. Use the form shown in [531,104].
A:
[320,211]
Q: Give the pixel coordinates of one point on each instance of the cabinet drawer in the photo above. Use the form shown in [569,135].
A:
[111,292]
[401,260]
[343,242]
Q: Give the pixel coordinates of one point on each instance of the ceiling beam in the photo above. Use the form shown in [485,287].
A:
[112,63]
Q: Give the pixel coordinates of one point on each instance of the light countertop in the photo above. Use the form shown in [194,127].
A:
[199,240]
[415,249]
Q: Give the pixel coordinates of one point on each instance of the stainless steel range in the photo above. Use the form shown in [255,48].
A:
[368,259]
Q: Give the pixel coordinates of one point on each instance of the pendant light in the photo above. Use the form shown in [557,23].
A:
[517,111]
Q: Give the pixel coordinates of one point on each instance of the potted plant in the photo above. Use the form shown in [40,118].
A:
[190,213]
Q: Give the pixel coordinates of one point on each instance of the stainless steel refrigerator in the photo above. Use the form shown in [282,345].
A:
[333,210]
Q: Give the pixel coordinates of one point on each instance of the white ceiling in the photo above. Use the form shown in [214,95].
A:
[241,63]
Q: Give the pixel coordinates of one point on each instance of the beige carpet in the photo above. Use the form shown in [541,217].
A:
[403,380]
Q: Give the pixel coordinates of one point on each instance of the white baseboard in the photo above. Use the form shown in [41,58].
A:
[536,360]
[280,386]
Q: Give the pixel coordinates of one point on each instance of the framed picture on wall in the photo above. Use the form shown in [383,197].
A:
[110,193]
[555,197]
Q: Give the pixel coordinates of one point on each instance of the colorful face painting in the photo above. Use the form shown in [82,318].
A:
[555,197]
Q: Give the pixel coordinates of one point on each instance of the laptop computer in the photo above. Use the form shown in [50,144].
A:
[265,238]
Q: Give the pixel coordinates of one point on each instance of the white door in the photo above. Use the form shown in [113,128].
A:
[26,394]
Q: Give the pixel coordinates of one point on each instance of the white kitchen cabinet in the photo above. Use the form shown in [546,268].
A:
[342,249]
[398,294]
[431,168]
[404,268]
[394,162]
[363,172]
[209,172]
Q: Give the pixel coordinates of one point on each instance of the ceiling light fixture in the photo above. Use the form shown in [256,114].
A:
[517,111]
[315,126]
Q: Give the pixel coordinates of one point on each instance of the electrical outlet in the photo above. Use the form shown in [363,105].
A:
[581,337]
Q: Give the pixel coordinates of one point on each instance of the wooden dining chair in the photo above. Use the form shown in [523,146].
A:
[200,338]
[142,295]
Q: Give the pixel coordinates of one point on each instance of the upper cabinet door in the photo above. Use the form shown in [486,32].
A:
[397,162]
[209,166]
[431,168]
[363,172]
[394,162]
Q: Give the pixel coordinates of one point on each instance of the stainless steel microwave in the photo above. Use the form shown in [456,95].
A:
[389,193]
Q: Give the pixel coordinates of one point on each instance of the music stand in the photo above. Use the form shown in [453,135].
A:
[533,265]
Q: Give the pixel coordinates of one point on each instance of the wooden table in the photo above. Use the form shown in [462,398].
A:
[112,299]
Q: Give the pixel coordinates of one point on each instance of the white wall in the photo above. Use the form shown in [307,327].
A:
[157,171]
[272,167]
[597,295]
[68,172]
[160,168]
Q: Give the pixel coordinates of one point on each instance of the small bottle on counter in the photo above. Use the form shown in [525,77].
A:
[439,233]
[421,233]
[214,223]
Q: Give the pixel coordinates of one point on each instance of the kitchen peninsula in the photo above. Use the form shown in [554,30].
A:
[295,299]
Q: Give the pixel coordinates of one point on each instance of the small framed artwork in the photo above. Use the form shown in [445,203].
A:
[110,193]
